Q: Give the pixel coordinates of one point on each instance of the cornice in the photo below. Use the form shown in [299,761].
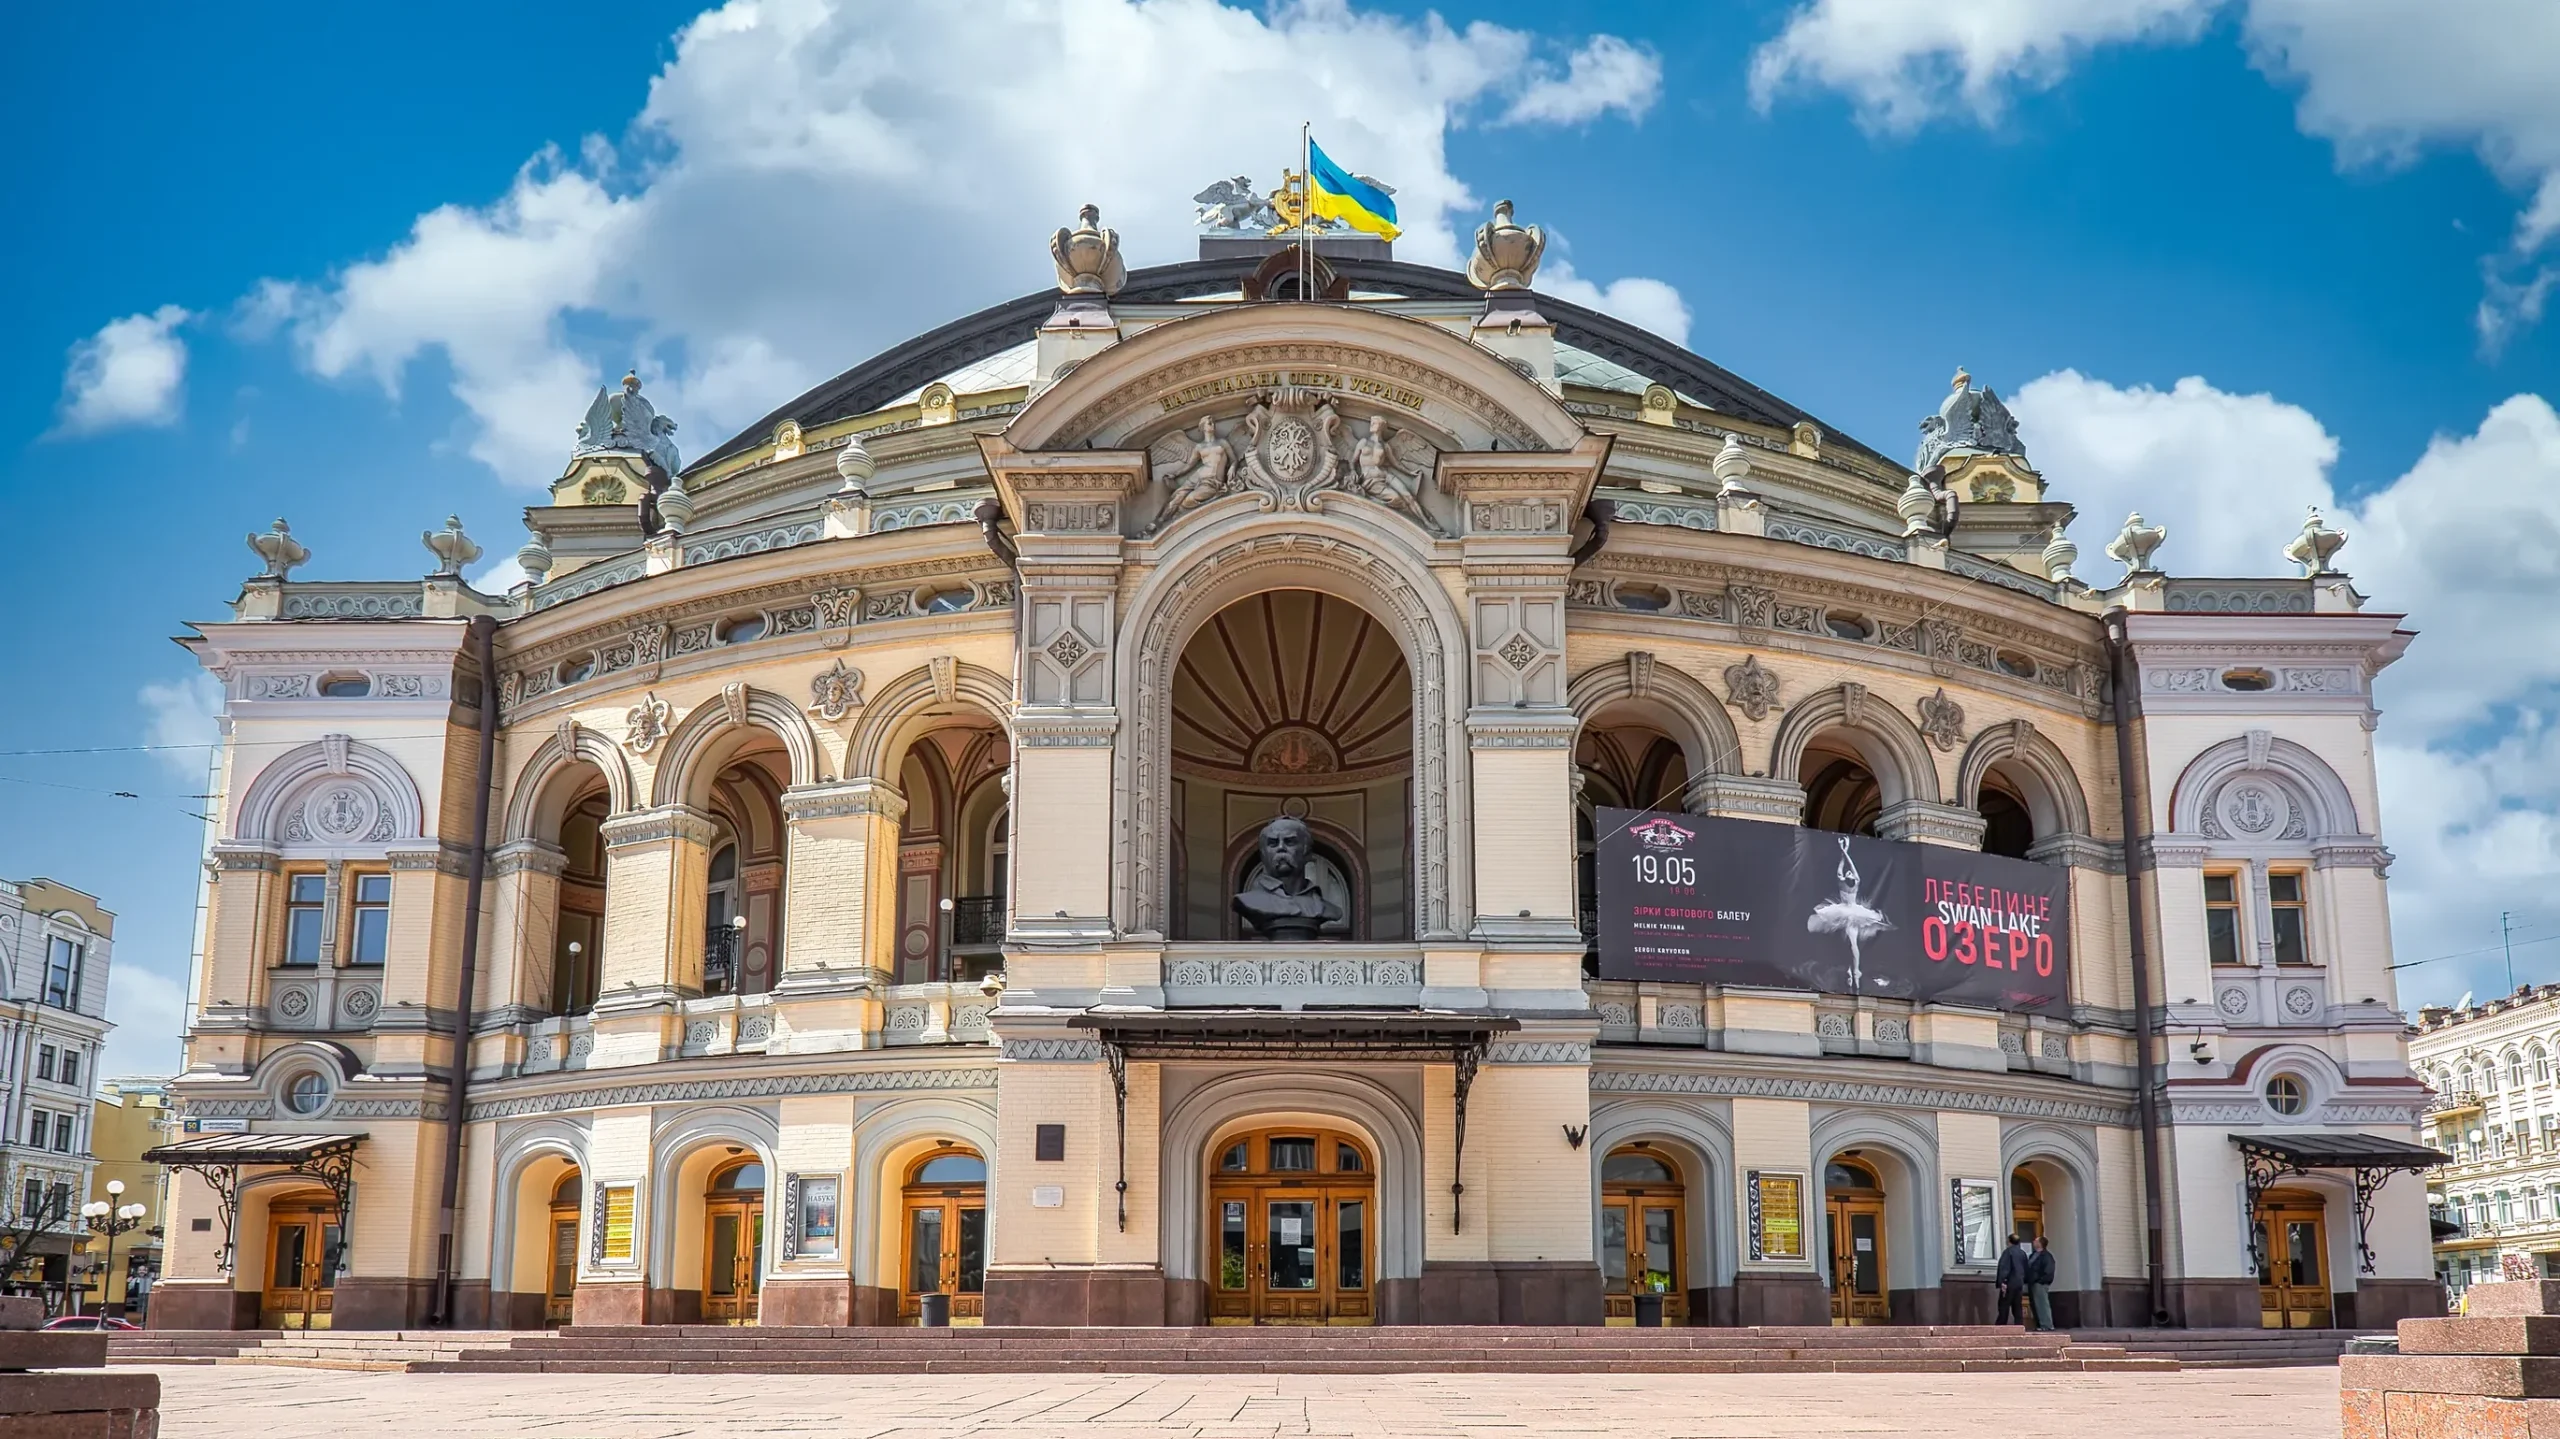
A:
[2019,1103]
[510,1101]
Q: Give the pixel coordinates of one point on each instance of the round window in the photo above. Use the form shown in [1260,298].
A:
[2286,1096]
[307,1093]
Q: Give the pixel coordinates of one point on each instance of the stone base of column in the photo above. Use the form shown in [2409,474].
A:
[1780,1299]
[807,1301]
[202,1304]
[2214,1303]
[1510,1292]
[2494,1371]
[1118,1295]
[609,1304]
[372,1303]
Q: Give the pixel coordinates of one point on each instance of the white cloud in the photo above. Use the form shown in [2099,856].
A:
[2382,79]
[183,720]
[811,181]
[499,578]
[149,1011]
[2466,542]
[1605,74]
[132,372]
[1635,299]
[1906,62]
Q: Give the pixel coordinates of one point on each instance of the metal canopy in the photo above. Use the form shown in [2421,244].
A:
[2369,1159]
[329,1159]
[1408,1035]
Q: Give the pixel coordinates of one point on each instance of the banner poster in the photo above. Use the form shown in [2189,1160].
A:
[1734,901]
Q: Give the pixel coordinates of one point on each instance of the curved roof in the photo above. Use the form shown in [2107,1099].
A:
[982,339]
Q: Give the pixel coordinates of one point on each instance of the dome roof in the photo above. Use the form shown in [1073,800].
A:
[994,349]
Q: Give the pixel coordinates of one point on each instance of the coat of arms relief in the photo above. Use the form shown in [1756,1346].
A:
[1292,449]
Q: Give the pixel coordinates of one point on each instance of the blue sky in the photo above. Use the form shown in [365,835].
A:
[2228,258]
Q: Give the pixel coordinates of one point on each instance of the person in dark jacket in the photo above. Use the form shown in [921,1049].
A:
[2012,1279]
[2040,1269]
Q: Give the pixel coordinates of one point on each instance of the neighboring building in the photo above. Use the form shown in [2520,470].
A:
[56,944]
[2496,1111]
[132,1117]
[868,798]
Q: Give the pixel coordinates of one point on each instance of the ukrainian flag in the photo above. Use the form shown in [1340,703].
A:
[1337,194]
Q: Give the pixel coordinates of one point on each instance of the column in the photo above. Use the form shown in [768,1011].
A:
[839,907]
[1779,1282]
[657,863]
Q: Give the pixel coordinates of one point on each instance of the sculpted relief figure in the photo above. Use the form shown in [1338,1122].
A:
[1198,477]
[1381,475]
[1281,901]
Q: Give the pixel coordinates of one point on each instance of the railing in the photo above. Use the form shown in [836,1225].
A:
[2453,1100]
[977,920]
[719,958]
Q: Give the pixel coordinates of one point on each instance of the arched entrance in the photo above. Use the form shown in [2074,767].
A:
[1853,1201]
[945,1226]
[1290,1231]
[303,1242]
[560,1288]
[733,1244]
[1293,702]
[2293,1260]
[1642,1219]
[2026,1205]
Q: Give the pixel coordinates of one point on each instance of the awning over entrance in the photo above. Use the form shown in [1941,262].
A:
[328,1159]
[2369,1160]
[1425,1036]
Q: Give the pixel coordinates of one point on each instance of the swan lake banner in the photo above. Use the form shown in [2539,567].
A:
[1736,901]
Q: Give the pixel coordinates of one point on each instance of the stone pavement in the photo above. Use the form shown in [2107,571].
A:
[270,1403]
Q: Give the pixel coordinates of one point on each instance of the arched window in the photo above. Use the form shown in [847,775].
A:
[2515,1070]
[2541,1065]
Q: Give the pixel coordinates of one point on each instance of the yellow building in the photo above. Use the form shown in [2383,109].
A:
[854,858]
[130,1117]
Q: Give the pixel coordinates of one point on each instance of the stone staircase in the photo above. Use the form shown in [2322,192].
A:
[666,1349]
[2229,1348]
[382,1350]
[182,1346]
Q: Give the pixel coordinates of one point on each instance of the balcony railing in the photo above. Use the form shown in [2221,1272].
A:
[2453,1101]
[719,958]
[977,920]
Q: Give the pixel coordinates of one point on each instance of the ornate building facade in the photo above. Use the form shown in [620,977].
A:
[838,857]
[2496,1114]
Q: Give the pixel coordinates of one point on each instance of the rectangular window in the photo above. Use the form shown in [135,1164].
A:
[373,919]
[306,899]
[62,1132]
[619,1203]
[39,1124]
[62,974]
[59,1201]
[71,1066]
[2287,917]
[44,1061]
[2222,917]
[32,1201]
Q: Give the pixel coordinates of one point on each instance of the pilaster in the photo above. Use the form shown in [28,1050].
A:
[839,914]
[657,867]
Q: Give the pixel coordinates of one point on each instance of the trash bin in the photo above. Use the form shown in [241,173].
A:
[937,1311]
[1648,1311]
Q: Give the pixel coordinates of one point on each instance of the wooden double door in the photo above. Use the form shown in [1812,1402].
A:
[2293,1262]
[1641,1223]
[303,1241]
[1291,1230]
[946,1236]
[1853,1204]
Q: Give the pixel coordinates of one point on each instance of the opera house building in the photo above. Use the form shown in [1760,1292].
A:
[1273,789]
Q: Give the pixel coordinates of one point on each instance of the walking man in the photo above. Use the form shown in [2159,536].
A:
[2012,1279]
[2040,1267]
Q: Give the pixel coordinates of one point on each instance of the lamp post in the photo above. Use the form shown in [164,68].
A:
[108,1218]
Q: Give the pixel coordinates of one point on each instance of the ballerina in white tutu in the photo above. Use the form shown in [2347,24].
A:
[1848,915]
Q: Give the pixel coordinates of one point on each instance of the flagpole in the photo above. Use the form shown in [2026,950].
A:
[1306,208]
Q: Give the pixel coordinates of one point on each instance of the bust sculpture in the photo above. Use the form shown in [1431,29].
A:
[1280,901]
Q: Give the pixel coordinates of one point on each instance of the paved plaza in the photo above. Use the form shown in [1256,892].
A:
[271,1403]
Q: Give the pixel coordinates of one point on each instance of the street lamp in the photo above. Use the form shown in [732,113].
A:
[106,1217]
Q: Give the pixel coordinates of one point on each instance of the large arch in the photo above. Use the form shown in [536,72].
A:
[1904,1151]
[2328,806]
[2051,1151]
[898,712]
[275,801]
[884,1141]
[1344,553]
[2054,797]
[1887,742]
[1669,699]
[694,752]
[533,802]
[682,1155]
[1703,1142]
[530,1161]
[1354,1100]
